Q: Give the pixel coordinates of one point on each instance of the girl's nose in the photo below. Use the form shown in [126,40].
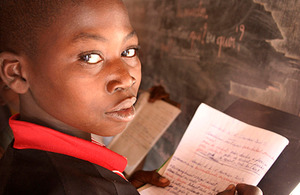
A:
[120,84]
[120,79]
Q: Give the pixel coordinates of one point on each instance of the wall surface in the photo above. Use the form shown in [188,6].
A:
[215,51]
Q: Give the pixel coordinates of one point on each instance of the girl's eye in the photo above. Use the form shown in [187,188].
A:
[129,52]
[91,58]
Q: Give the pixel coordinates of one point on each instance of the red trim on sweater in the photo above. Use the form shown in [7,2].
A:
[31,136]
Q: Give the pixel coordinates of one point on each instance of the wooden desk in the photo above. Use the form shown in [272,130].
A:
[284,175]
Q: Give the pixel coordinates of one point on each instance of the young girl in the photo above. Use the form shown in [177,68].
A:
[75,67]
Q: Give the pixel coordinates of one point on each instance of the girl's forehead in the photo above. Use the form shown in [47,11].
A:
[89,24]
[23,21]
[94,12]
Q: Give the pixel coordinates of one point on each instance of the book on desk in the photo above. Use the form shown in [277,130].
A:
[151,121]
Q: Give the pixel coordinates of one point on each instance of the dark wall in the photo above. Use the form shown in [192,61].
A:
[215,51]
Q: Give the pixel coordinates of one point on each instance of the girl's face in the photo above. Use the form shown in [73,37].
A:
[87,73]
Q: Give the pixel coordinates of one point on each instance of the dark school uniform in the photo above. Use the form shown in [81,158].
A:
[41,160]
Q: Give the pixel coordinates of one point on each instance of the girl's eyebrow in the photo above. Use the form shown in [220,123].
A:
[130,35]
[84,36]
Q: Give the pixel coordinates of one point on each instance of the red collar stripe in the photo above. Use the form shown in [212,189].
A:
[31,136]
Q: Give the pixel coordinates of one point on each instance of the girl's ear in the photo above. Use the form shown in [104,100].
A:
[12,72]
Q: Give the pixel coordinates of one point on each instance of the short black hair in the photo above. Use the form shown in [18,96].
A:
[22,20]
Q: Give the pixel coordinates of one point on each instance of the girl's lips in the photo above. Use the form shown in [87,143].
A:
[124,115]
[124,111]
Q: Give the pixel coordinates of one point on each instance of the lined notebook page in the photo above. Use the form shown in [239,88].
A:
[218,150]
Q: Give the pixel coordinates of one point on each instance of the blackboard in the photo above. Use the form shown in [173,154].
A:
[215,51]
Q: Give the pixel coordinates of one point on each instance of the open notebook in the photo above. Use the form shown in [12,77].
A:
[150,122]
